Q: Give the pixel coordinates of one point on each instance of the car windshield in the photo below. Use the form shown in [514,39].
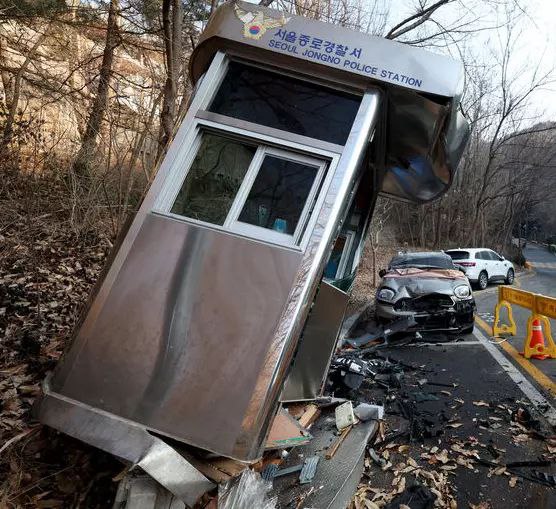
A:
[422,262]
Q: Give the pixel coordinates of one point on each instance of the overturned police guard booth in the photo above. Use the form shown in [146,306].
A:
[226,294]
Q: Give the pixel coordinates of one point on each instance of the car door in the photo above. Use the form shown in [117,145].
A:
[487,263]
[498,264]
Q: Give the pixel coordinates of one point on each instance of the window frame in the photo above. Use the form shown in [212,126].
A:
[342,270]
[309,79]
[232,220]
[265,144]
[200,119]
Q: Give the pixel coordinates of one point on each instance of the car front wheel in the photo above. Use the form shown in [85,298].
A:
[510,277]
[483,280]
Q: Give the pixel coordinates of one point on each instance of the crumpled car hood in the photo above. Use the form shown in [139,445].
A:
[412,282]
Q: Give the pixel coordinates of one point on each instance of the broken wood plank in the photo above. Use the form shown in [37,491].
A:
[310,415]
[210,471]
[335,445]
[230,467]
[296,410]
[286,432]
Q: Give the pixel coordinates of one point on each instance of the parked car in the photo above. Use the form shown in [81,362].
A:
[483,265]
[428,287]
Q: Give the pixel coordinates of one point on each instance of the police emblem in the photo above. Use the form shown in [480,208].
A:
[255,24]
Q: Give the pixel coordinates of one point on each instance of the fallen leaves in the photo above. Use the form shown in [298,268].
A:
[45,277]
[480,505]
[521,438]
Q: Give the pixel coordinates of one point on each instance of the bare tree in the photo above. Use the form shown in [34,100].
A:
[86,153]
[13,83]
[410,23]
[173,44]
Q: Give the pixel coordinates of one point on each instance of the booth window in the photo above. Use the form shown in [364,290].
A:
[214,178]
[253,190]
[337,266]
[263,97]
[278,195]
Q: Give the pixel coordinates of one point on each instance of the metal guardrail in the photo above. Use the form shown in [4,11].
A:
[542,309]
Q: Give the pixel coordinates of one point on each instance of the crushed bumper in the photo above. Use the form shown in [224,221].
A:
[455,318]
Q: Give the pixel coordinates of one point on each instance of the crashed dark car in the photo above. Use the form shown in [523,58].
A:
[428,287]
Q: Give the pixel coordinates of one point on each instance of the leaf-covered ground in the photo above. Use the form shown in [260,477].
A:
[46,274]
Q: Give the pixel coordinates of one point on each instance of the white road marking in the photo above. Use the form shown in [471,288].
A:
[542,405]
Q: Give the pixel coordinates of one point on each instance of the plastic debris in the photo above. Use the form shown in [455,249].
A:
[271,471]
[377,459]
[366,411]
[247,492]
[544,478]
[344,415]
[416,497]
[309,470]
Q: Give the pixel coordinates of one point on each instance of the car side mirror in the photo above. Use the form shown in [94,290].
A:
[502,258]
[461,269]
[382,272]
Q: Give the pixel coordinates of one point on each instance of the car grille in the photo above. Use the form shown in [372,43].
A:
[432,302]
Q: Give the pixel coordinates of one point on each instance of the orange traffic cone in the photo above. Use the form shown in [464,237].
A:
[536,344]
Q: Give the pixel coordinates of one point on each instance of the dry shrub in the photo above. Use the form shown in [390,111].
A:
[46,274]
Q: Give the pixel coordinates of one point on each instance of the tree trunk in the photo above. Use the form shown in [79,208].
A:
[88,147]
[12,97]
[172,28]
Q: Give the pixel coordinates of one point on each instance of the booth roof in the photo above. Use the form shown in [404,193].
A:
[378,59]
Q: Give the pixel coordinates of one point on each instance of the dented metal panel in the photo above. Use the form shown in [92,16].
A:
[425,132]
[183,335]
[312,360]
[127,441]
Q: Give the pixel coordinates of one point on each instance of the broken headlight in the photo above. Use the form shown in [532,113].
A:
[386,294]
[462,291]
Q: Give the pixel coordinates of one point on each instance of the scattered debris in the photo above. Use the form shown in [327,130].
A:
[365,412]
[416,497]
[544,478]
[378,460]
[309,470]
[246,492]
[344,415]
[336,444]
[424,396]
[272,470]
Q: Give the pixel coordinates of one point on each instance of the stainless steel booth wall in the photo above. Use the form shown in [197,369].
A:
[317,345]
[183,334]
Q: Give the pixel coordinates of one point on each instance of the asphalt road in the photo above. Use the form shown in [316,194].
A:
[541,279]
[487,374]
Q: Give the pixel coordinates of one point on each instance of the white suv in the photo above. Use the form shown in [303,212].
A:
[483,265]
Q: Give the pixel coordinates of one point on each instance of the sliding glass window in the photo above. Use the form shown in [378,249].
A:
[256,183]
[253,190]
